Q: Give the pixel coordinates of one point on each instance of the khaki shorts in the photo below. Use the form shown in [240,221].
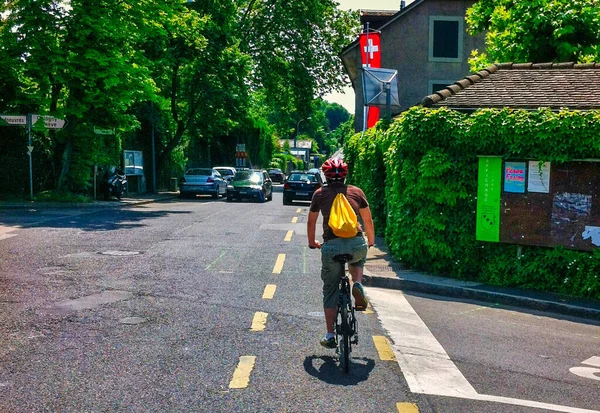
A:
[330,270]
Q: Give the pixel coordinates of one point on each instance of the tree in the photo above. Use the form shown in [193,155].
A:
[188,71]
[294,48]
[536,31]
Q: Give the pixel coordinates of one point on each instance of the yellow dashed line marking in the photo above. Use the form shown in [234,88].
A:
[288,236]
[294,220]
[299,210]
[269,292]
[383,348]
[259,322]
[407,408]
[279,264]
[241,375]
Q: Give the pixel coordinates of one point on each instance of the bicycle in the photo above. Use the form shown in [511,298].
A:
[345,326]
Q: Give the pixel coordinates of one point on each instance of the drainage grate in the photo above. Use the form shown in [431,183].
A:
[120,253]
[316,314]
[132,320]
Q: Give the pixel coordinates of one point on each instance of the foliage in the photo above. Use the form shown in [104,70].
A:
[367,171]
[185,73]
[536,31]
[430,159]
[294,48]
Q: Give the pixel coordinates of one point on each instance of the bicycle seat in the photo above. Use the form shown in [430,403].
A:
[343,258]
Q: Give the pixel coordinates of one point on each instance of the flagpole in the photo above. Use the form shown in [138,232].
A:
[365,107]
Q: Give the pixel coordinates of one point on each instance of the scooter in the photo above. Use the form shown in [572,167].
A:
[114,183]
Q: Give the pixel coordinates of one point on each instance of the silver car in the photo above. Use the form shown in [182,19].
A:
[227,172]
[202,181]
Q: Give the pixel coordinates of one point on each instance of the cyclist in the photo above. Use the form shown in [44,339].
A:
[335,171]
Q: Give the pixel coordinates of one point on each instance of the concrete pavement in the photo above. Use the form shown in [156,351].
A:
[382,271]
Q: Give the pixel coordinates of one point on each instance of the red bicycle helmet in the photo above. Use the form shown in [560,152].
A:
[334,168]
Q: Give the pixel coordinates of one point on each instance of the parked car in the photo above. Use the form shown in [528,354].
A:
[300,185]
[227,172]
[202,181]
[276,175]
[250,184]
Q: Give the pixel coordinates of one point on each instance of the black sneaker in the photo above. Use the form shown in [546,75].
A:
[328,342]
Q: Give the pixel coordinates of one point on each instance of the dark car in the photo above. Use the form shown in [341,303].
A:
[300,186]
[276,175]
[250,184]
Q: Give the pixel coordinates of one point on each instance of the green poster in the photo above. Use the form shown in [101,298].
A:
[488,199]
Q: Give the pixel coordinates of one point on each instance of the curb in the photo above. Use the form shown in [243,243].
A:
[482,295]
[90,205]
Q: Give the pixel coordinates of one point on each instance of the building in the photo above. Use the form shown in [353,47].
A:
[299,148]
[426,42]
[523,86]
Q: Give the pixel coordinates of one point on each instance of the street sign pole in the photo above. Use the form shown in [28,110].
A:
[153,152]
[50,122]
[29,150]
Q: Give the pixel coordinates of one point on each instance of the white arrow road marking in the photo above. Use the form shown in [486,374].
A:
[588,372]
[424,362]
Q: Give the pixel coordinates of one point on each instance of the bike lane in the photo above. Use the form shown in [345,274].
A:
[477,369]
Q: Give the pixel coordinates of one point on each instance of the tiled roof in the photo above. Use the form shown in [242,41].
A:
[376,18]
[384,13]
[524,86]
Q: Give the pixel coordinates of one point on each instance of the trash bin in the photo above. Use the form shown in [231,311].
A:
[173,185]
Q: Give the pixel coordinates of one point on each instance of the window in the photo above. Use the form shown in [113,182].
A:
[435,85]
[445,39]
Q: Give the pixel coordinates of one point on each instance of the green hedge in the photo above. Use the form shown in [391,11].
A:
[420,175]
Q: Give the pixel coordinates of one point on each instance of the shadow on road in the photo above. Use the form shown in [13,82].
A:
[105,219]
[326,368]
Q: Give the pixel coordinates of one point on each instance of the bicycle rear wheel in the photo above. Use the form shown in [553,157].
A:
[344,339]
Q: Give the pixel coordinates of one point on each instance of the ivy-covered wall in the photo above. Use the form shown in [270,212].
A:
[420,176]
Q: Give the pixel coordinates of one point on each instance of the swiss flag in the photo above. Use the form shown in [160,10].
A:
[370,50]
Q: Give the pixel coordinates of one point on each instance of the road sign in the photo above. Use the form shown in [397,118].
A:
[14,120]
[100,131]
[49,121]
[29,150]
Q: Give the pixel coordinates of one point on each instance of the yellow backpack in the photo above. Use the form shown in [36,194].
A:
[342,218]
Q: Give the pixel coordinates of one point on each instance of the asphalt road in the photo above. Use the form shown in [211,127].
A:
[207,306]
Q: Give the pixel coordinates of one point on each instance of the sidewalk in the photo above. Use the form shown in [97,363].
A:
[381,271]
[99,203]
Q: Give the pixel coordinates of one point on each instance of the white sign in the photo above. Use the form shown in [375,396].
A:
[14,120]
[100,131]
[49,121]
[539,177]
[29,150]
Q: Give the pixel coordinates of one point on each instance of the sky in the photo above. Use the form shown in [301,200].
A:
[346,99]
